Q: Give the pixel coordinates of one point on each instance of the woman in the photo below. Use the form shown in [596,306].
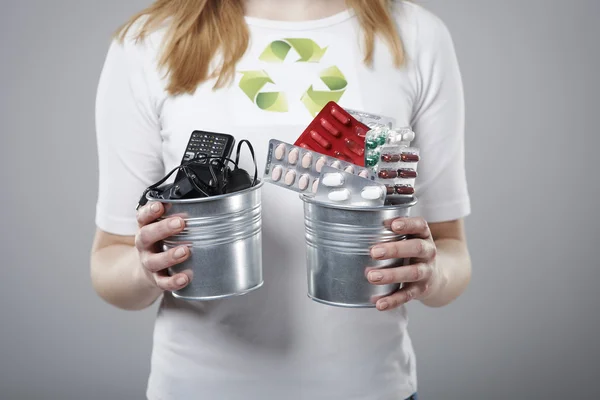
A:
[177,67]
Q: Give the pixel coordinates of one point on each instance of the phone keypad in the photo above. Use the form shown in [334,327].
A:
[205,144]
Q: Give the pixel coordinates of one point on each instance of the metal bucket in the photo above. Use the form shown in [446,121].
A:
[338,243]
[225,238]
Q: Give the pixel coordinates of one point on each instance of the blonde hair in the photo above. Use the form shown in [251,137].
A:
[199,29]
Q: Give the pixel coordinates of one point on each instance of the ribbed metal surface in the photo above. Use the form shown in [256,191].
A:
[338,243]
[225,237]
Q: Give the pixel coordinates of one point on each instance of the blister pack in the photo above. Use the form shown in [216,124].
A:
[298,169]
[340,187]
[335,133]
[372,120]
[378,137]
[397,169]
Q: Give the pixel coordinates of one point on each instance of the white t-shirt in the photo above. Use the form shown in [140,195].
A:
[275,343]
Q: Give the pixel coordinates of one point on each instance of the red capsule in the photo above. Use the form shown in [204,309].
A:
[409,157]
[360,131]
[390,157]
[355,147]
[320,140]
[404,189]
[341,156]
[337,114]
[387,174]
[390,190]
[307,147]
[407,173]
[330,128]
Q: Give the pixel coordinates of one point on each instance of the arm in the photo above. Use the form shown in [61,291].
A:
[117,273]
[130,272]
[452,260]
[440,267]
[127,268]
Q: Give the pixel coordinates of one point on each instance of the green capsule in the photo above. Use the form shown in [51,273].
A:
[372,159]
[371,143]
[381,139]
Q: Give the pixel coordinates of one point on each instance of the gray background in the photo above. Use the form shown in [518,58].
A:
[526,329]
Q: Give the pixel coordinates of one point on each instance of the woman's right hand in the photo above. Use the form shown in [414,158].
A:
[147,242]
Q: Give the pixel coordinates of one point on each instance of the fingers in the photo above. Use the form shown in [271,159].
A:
[402,296]
[149,213]
[172,283]
[149,235]
[409,273]
[155,262]
[416,226]
[411,248]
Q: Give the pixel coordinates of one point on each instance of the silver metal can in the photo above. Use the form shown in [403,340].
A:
[338,243]
[225,238]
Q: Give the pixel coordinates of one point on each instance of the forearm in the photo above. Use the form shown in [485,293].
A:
[118,278]
[454,267]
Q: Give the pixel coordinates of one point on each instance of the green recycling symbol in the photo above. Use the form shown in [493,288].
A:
[307,49]
[252,82]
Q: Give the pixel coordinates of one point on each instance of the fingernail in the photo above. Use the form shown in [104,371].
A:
[398,225]
[154,207]
[382,305]
[375,276]
[180,252]
[378,252]
[181,281]
[175,223]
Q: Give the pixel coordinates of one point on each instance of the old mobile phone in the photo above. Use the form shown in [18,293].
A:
[207,148]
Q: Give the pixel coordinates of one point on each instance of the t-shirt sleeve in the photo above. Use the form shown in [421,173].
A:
[128,138]
[439,125]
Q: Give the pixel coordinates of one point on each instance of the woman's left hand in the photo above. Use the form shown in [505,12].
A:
[421,277]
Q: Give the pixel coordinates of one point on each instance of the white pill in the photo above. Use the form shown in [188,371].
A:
[307,160]
[303,181]
[408,136]
[276,174]
[349,169]
[333,180]
[364,173]
[280,151]
[339,195]
[315,186]
[290,177]
[371,193]
[320,164]
[293,156]
[336,164]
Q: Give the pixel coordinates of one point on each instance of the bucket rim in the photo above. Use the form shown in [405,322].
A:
[258,185]
[310,199]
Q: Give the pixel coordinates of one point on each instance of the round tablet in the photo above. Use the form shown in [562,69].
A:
[315,186]
[307,160]
[408,136]
[280,151]
[349,169]
[303,181]
[364,173]
[371,193]
[339,195]
[293,156]
[290,177]
[320,163]
[276,174]
[336,164]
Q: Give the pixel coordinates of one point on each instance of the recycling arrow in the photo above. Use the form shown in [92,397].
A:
[307,49]
[315,100]
[252,83]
